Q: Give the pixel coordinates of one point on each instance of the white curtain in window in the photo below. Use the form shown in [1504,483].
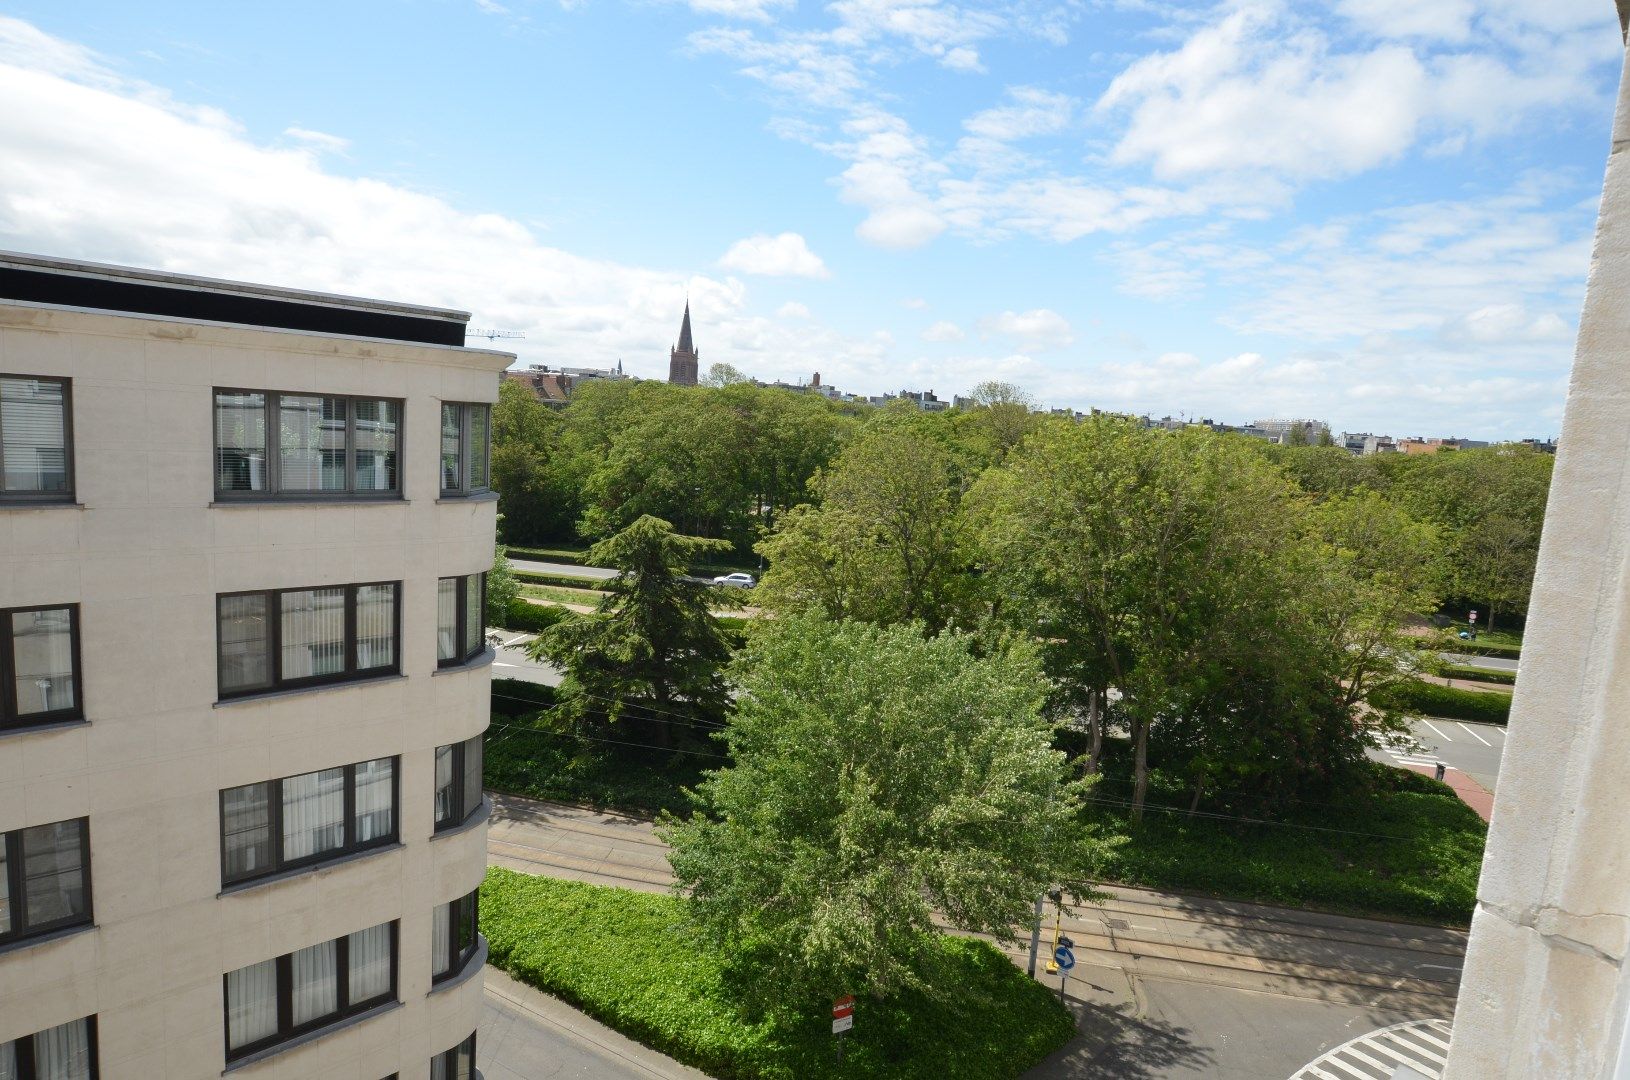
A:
[447,619]
[63,1053]
[313,632]
[313,813]
[452,417]
[5,897]
[445,810]
[251,1004]
[315,983]
[465,1069]
[440,938]
[42,644]
[246,828]
[373,799]
[246,660]
[376,626]
[370,963]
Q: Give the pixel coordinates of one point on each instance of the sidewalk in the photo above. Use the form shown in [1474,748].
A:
[1471,793]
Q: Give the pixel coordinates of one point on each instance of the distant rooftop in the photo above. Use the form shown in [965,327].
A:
[41,279]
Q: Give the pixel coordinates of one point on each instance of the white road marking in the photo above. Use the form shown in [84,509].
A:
[496,663]
[1474,734]
[1434,727]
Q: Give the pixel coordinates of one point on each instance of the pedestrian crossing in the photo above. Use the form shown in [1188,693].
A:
[1414,1051]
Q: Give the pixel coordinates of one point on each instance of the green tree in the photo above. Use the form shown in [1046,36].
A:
[884,541]
[502,589]
[1005,416]
[723,375]
[651,652]
[879,779]
[1143,560]
[524,433]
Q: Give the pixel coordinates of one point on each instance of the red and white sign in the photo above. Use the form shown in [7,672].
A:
[1472,617]
[843,1014]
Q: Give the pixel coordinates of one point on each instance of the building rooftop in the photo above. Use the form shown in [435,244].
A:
[41,279]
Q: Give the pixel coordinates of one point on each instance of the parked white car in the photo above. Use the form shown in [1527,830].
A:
[740,581]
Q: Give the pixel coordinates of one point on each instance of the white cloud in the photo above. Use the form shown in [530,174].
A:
[1496,324]
[751,10]
[318,140]
[1031,111]
[1035,330]
[785,255]
[792,309]
[916,303]
[492,7]
[943,330]
[99,167]
[1445,20]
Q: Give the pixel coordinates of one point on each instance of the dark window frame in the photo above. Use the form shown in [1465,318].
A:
[464,489]
[461,797]
[274,641]
[273,406]
[28,1068]
[34,497]
[461,627]
[465,909]
[344,1006]
[10,719]
[16,885]
[450,1057]
[274,823]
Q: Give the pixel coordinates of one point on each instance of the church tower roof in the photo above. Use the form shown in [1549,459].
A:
[684,332]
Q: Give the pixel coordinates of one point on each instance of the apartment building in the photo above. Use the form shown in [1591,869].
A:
[243,679]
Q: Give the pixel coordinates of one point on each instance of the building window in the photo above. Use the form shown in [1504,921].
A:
[276,1000]
[466,446]
[305,637]
[39,666]
[460,618]
[453,936]
[45,879]
[302,820]
[455,1064]
[306,445]
[36,444]
[65,1052]
[458,782]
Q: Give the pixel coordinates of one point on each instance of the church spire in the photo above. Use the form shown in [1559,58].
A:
[684,331]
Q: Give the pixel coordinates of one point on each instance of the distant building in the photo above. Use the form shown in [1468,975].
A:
[554,386]
[682,358]
[1280,431]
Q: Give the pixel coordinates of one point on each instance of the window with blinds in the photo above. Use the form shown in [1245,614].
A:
[287,638]
[306,445]
[454,934]
[455,1064]
[458,782]
[276,1000]
[36,445]
[307,820]
[39,666]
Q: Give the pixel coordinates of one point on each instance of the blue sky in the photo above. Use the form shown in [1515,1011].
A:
[1376,212]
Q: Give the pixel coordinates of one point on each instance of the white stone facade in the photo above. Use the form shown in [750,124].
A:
[1545,992]
[144,553]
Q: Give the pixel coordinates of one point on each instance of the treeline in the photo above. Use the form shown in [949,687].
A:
[1247,613]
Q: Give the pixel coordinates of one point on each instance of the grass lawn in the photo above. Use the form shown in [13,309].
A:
[587,597]
[1410,850]
[523,758]
[629,960]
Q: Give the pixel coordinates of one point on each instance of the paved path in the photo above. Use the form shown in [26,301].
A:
[1494,663]
[528,1035]
[1473,749]
[1301,954]
[595,573]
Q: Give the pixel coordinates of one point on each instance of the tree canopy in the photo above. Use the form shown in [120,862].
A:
[879,778]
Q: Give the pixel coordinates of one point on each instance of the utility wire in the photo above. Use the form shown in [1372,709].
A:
[634,707]
[609,742]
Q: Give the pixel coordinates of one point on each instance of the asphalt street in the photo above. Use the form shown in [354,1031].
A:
[1474,749]
[513,663]
[1492,663]
[595,573]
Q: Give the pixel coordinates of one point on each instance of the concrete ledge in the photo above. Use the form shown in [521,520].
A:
[292,691]
[49,936]
[480,660]
[471,968]
[40,729]
[474,821]
[310,1036]
[309,868]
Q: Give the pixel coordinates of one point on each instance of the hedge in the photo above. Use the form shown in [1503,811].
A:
[1430,699]
[632,961]
[1478,674]
[517,697]
[555,555]
[533,618]
[563,580]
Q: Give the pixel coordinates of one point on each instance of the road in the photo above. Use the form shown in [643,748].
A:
[1492,663]
[1474,749]
[593,573]
[1166,985]
[513,663]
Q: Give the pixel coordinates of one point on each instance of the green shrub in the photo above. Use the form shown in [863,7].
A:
[517,697]
[1488,675]
[526,756]
[563,580]
[570,556]
[1430,699]
[534,618]
[631,961]
[1407,849]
